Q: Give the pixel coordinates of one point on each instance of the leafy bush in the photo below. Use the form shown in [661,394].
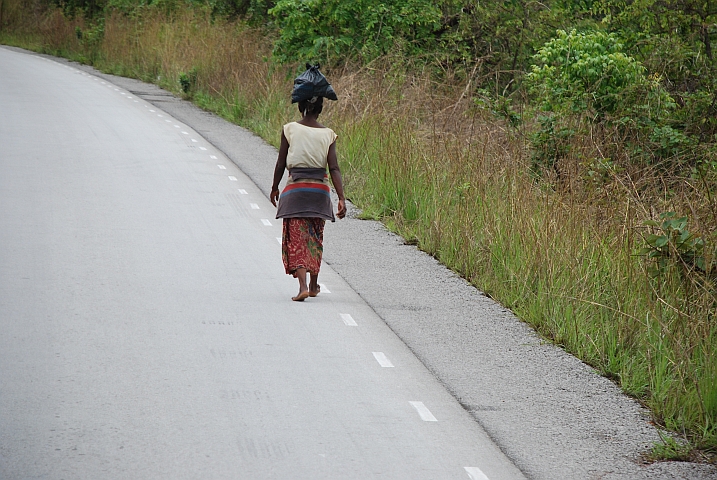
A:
[677,39]
[673,244]
[188,81]
[499,37]
[551,142]
[585,73]
[82,8]
[333,30]
[587,77]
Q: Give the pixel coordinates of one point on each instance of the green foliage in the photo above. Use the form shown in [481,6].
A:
[551,142]
[230,8]
[86,8]
[501,107]
[584,72]
[691,21]
[255,12]
[675,38]
[586,77]
[673,245]
[671,449]
[501,35]
[219,8]
[90,39]
[188,81]
[332,31]
[599,171]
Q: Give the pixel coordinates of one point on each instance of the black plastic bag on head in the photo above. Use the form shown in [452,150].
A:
[310,84]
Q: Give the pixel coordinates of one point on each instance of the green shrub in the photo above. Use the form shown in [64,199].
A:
[585,74]
[188,81]
[586,78]
[676,39]
[673,244]
[331,31]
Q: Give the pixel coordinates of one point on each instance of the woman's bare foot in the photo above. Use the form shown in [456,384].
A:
[300,275]
[314,291]
[301,296]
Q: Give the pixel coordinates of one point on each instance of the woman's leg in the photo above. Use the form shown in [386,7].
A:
[314,287]
[291,246]
[302,248]
[303,288]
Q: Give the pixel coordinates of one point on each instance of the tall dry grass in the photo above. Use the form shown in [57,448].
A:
[450,177]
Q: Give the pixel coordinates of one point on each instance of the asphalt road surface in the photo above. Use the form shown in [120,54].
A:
[146,330]
[147,327]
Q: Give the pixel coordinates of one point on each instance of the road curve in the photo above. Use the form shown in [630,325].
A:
[146,330]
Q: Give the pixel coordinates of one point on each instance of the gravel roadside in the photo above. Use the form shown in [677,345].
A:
[554,416]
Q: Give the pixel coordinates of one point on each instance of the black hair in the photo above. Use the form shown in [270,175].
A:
[306,107]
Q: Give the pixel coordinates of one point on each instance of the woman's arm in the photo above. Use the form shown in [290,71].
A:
[336,180]
[279,169]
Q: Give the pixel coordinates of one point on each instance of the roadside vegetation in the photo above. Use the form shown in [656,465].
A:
[561,156]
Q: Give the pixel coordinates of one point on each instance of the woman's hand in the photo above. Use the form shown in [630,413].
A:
[274,196]
[342,209]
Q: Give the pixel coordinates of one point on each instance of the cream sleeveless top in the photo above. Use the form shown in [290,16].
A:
[308,146]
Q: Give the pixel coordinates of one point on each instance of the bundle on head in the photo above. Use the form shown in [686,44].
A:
[312,84]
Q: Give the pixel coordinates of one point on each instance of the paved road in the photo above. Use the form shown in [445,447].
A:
[146,330]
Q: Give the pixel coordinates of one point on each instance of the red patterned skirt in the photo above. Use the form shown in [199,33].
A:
[302,244]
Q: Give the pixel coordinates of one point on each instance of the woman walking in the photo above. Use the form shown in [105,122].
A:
[307,149]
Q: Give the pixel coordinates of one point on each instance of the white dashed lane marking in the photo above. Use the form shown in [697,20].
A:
[232,178]
[423,412]
[243,192]
[348,320]
[266,222]
[254,206]
[278,239]
[382,360]
[222,167]
[202,148]
[475,473]
[324,289]
[213,157]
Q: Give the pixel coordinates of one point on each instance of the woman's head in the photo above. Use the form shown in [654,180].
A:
[313,106]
